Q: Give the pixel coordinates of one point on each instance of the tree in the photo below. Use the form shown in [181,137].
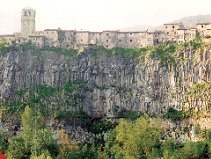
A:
[44,155]
[194,149]
[138,139]
[17,148]
[67,147]
[35,138]
[27,125]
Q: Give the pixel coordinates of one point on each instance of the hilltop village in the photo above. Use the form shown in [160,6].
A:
[174,32]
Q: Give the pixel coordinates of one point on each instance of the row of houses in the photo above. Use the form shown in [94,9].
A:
[174,32]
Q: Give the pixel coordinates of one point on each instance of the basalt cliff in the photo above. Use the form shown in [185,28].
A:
[150,83]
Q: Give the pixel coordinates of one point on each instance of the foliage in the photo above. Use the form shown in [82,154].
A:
[61,51]
[34,139]
[129,114]
[67,147]
[60,102]
[44,155]
[88,151]
[2,46]
[168,148]
[99,127]
[138,139]
[174,114]
[164,53]
[193,149]
[2,111]
[199,89]
[3,144]
[123,52]
[17,148]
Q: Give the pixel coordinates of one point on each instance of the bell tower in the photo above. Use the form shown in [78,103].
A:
[28,21]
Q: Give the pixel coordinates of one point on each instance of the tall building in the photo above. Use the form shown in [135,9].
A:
[28,21]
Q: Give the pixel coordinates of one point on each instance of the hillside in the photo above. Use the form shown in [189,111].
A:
[187,21]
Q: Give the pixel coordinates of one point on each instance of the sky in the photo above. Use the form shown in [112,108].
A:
[98,14]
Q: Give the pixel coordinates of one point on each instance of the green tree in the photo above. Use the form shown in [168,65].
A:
[34,139]
[194,149]
[138,139]
[17,148]
[68,148]
[44,155]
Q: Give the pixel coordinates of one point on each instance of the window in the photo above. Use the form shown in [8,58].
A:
[131,40]
[202,26]
[29,13]
[173,26]
[166,27]
[120,40]
[131,33]
[25,13]
[107,34]
[107,40]
[106,45]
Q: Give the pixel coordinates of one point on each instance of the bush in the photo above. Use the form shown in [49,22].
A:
[174,114]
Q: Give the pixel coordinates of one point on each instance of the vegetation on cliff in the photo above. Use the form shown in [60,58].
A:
[167,53]
[140,138]
[135,136]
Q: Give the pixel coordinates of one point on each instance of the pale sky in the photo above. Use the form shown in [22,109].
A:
[98,14]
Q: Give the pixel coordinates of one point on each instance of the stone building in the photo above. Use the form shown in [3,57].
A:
[108,38]
[81,38]
[171,31]
[94,38]
[52,37]
[129,39]
[37,40]
[202,28]
[28,21]
[174,32]
[159,37]
[67,38]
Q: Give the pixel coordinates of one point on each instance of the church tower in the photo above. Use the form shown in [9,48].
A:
[28,21]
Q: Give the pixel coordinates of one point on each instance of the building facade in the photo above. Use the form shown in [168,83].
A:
[173,32]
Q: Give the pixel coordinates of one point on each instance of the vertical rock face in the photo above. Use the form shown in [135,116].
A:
[114,84]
